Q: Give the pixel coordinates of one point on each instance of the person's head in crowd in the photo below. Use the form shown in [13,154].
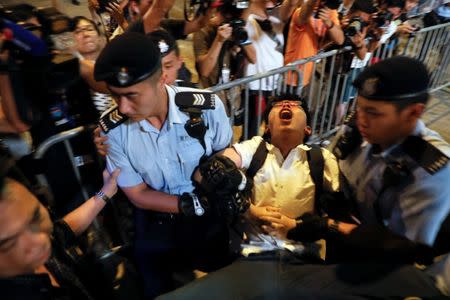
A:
[25,229]
[410,5]
[395,7]
[138,8]
[287,120]
[392,95]
[362,9]
[88,41]
[225,11]
[170,54]
[136,84]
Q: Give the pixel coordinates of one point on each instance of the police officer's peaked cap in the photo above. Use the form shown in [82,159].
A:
[393,79]
[163,40]
[128,59]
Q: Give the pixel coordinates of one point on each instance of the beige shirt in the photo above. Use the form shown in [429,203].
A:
[286,183]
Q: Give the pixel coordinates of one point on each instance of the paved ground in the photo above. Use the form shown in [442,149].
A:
[437,115]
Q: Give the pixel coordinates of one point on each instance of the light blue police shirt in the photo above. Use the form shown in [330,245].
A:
[416,210]
[166,158]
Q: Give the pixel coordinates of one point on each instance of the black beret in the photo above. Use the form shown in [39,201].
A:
[393,79]
[163,40]
[364,6]
[128,59]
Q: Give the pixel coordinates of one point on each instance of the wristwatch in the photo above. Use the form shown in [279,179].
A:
[100,194]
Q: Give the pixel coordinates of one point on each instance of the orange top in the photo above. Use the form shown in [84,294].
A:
[304,41]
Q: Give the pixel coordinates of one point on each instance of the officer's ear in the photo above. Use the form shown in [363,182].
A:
[163,79]
[414,111]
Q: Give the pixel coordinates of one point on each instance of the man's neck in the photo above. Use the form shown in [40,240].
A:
[285,145]
[159,117]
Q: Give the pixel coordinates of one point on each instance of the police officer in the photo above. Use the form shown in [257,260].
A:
[395,168]
[157,146]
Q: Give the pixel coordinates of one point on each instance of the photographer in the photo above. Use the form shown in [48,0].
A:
[313,25]
[264,24]
[219,45]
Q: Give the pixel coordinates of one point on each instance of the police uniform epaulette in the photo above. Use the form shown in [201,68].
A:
[111,118]
[425,154]
[195,99]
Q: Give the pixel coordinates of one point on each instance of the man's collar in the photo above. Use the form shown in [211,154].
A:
[174,115]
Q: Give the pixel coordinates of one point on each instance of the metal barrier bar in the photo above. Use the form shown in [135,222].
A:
[329,92]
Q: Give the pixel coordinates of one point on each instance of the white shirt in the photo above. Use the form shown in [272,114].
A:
[267,57]
[286,183]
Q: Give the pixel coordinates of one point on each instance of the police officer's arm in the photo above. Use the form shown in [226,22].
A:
[144,197]
[80,218]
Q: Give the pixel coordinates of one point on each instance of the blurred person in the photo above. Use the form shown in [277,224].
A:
[264,24]
[33,261]
[311,28]
[88,45]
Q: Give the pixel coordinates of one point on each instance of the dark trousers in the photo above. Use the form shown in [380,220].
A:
[168,245]
[281,278]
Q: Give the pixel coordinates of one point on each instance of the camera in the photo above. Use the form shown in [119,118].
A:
[102,4]
[383,19]
[239,35]
[355,25]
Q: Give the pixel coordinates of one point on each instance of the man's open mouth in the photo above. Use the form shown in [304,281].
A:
[285,114]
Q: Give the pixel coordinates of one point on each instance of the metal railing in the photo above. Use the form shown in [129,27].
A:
[329,92]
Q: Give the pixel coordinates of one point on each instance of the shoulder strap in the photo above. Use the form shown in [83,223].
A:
[258,159]
[425,154]
[111,118]
[316,166]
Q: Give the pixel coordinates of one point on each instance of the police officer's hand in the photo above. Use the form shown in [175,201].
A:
[224,33]
[310,228]
[100,142]
[193,204]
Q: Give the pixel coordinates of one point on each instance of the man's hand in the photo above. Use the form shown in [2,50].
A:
[279,226]
[325,16]
[116,12]
[259,212]
[224,33]
[405,28]
[100,142]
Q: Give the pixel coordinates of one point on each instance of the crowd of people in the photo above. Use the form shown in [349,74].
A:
[271,217]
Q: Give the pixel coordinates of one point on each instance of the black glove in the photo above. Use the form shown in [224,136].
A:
[309,228]
[193,204]
[221,176]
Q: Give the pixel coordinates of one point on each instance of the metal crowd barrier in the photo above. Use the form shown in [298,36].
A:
[329,92]
[76,161]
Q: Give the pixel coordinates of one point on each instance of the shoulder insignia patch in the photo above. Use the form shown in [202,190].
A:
[425,154]
[111,118]
[194,99]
